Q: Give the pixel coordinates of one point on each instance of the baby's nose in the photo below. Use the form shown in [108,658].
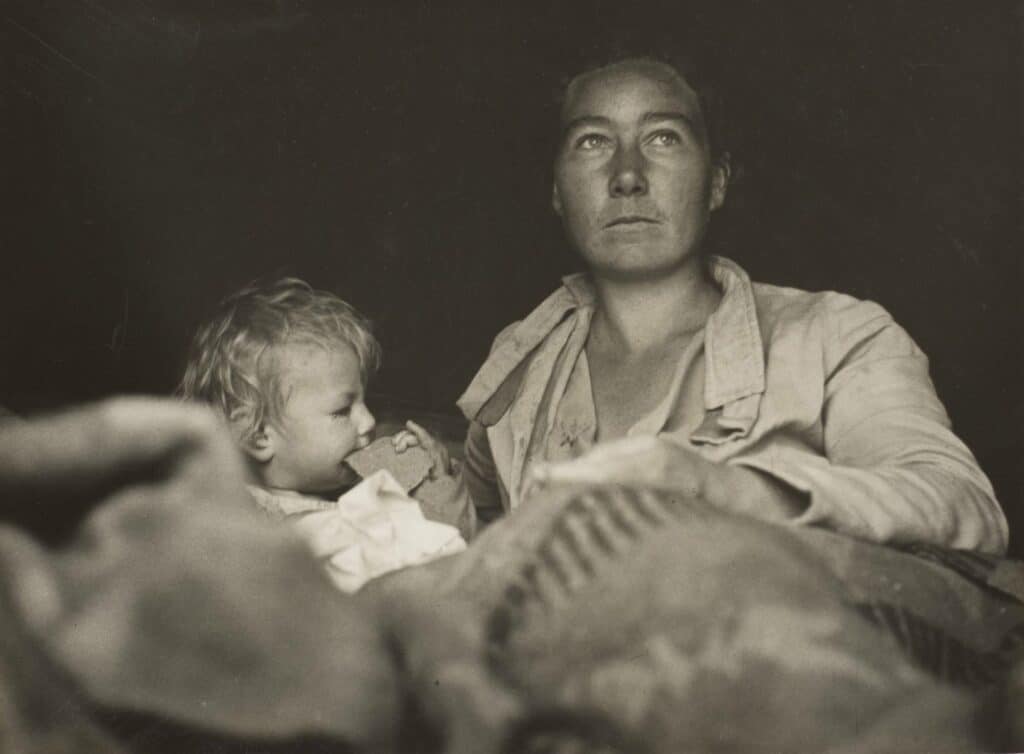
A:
[367,425]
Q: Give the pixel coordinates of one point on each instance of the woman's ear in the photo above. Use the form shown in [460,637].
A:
[721,171]
[556,199]
[258,442]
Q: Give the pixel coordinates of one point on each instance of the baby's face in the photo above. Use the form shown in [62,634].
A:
[324,419]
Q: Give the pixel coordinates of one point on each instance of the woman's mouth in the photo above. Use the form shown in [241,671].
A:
[631,220]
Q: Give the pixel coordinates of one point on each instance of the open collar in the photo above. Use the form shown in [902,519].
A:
[734,359]
[734,354]
[734,351]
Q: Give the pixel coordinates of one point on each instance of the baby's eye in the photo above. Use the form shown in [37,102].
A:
[341,413]
[592,141]
[664,139]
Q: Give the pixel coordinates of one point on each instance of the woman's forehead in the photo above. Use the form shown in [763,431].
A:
[644,85]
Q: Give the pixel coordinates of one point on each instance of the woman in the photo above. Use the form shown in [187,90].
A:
[663,366]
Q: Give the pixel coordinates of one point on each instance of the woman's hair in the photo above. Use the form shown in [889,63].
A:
[231,362]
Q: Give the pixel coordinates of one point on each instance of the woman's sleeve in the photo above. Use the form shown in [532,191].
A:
[893,470]
[446,500]
[478,469]
[479,473]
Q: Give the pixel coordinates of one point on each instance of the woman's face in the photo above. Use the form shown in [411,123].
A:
[634,178]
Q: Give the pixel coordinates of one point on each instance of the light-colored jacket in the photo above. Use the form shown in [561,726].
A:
[821,391]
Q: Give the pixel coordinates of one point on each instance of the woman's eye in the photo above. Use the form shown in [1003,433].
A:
[664,139]
[343,412]
[591,141]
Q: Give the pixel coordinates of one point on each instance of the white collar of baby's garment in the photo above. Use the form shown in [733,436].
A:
[284,503]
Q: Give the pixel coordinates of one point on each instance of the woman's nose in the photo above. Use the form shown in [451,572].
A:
[629,174]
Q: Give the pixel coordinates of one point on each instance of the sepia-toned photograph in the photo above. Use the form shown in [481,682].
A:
[450,377]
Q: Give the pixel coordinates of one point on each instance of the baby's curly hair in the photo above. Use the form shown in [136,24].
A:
[230,364]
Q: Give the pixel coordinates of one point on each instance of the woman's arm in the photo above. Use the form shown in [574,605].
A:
[893,471]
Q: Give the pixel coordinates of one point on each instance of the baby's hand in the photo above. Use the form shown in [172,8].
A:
[414,434]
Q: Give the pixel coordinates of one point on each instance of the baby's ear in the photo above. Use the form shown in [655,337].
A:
[257,443]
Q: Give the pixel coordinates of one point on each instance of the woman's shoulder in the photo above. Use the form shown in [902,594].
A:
[505,335]
[834,324]
[786,306]
[514,346]
[535,326]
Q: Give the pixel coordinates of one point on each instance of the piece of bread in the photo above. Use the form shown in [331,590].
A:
[409,468]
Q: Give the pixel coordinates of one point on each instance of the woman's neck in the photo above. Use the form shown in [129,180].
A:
[633,316]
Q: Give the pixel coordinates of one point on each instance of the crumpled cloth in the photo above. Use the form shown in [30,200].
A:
[174,598]
[373,529]
[606,620]
[630,620]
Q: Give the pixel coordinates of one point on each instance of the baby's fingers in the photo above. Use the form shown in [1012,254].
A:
[438,452]
[423,437]
[404,440]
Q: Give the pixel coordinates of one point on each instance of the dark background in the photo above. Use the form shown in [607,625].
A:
[156,155]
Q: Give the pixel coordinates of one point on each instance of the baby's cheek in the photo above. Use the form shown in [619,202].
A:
[352,438]
[349,442]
